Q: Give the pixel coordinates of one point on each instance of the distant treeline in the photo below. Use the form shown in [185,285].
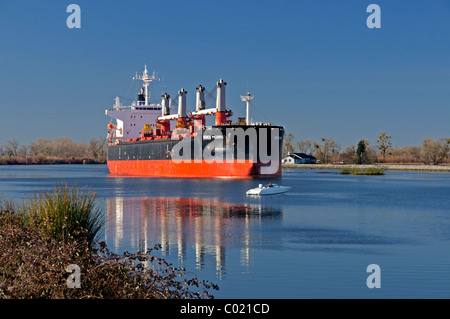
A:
[58,151]
[327,150]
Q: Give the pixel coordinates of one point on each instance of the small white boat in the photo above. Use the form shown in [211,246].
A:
[269,189]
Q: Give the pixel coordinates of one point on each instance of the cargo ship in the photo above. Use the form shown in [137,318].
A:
[147,139]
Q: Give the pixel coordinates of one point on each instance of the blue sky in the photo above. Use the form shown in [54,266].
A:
[313,66]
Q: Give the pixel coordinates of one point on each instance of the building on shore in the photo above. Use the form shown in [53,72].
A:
[299,158]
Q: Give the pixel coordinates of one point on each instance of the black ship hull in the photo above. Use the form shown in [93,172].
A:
[219,151]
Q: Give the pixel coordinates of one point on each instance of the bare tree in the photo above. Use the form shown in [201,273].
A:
[413,151]
[97,147]
[43,146]
[384,143]
[435,151]
[288,144]
[80,149]
[65,147]
[22,151]
[349,155]
[12,147]
[432,152]
[62,147]
[305,146]
[325,149]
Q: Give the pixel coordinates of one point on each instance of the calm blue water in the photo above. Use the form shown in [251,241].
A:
[314,242]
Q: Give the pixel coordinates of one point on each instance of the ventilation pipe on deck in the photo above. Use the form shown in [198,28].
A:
[182,103]
[220,100]
[165,104]
[220,103]
[165,110]
[200,104]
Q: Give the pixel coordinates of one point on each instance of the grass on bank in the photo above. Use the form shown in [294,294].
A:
[65,213]
[371,170]
[53,229]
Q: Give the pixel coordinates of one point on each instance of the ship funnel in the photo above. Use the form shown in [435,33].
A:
[165,104]
[220,101]
[200,104]
[182,103]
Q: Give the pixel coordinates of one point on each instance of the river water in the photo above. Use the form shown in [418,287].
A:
[315,241]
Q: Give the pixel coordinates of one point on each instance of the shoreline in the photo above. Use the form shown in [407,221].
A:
[386,167]
[39,160]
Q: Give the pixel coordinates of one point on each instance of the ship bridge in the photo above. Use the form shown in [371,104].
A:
[130,120]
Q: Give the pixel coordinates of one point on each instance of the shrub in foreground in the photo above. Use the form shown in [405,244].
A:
[34,256]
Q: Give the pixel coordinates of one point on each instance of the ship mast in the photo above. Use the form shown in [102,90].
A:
[146,78]
[247,99]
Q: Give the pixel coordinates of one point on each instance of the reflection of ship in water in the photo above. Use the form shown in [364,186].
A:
[201,227]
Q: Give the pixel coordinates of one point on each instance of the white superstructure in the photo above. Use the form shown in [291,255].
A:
[130,120]
[143,119]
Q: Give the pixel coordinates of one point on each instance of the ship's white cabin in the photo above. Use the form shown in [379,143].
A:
[131,120]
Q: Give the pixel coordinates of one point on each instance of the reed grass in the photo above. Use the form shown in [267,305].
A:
[64,213]
[371,170]
[346,171]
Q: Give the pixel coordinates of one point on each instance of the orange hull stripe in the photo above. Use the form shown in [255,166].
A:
[168,168]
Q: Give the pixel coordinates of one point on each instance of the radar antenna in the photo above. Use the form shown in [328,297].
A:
[146,78]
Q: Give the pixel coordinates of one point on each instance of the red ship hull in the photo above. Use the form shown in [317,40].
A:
[169,168]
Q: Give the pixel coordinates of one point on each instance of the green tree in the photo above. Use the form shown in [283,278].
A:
[361,151]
